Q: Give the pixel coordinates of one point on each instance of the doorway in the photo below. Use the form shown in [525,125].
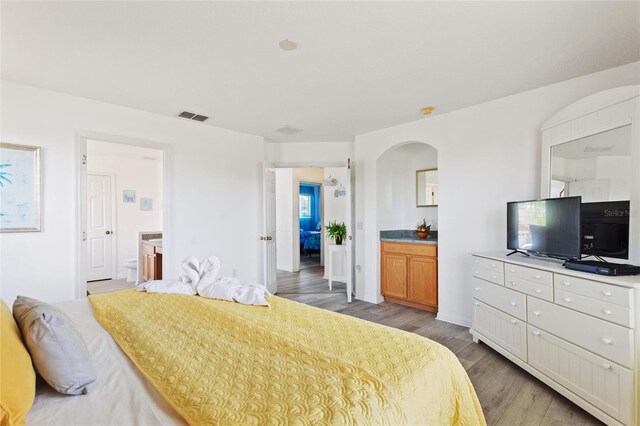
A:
[306,200]
[123,200]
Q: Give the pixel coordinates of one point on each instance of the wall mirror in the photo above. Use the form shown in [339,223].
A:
[596,167]
[427,188]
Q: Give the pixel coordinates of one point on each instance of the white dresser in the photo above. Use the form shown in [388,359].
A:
[577,332]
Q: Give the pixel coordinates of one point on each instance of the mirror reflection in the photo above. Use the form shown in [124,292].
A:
[427,187]
[596,167]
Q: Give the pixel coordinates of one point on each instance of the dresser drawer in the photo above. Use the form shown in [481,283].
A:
[599,381]
[603,338]
[536,290]
[485,274]
[488,264]
[501,298]
[596,307]
[505,330]
[605,292]
[530,274]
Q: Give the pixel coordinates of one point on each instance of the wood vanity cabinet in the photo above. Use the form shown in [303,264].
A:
[409,274]
[151,262]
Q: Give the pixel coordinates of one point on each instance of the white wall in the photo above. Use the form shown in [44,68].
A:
[214,191]
[488,154]
[286,217]
[308,153]
[130,171]
[396,187]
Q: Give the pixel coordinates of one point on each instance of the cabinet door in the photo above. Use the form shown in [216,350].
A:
[422,281]
[394,275]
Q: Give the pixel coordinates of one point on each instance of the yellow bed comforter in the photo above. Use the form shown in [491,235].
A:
[219,362]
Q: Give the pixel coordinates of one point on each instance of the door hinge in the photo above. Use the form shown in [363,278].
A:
[84,159]
[84,236]
[349,163]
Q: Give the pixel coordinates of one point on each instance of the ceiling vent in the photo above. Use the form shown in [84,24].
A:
[192,116]
[288,130]
[598,148]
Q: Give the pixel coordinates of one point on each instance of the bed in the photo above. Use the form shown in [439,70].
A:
[203,361]
[309,241]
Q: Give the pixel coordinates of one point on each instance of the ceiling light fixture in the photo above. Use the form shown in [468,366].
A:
[426,110]
[288,130]
[287,45]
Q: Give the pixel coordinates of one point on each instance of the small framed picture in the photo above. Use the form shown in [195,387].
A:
[128,196]
[146,204]
[19,188]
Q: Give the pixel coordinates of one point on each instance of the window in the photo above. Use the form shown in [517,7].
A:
[305,206]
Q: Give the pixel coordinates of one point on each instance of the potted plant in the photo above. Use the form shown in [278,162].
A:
[422,229]
[337,231]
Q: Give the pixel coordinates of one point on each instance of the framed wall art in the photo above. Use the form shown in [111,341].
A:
[19,188]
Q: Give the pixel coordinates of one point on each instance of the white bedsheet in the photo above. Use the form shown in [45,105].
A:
[120,395]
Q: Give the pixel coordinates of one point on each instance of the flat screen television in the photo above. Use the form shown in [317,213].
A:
[605,229]
[548,227]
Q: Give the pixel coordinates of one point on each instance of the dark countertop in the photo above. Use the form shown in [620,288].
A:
[408,236]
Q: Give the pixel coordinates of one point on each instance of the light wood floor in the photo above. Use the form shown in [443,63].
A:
[106,286]
[509,396]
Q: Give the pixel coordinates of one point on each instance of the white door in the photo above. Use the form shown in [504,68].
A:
[99,228]
[349,222]
[268,238]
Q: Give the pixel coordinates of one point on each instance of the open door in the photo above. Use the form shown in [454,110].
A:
[269,235]
[349,222]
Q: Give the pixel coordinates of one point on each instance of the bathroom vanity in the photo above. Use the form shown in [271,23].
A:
[152,260]
[409,269]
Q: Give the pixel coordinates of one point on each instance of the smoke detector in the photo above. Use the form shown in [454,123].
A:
[287,45]
[192,116]
[288,130]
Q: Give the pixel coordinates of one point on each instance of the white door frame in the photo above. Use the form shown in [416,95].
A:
[114,222]
[296,231]
[303,164]
[80,171]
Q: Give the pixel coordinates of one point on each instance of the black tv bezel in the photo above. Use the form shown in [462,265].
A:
[549,254]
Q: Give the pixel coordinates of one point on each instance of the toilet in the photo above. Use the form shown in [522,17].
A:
[132,269]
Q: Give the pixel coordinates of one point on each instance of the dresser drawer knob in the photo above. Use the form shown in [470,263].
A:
[493,277]
[477,304]
[513,283]
[477,288]
[512,270]
[536,313]
[606,293]
[567,284]
[477,272]
[606,366]
[514,304]
[493,265]
[537,277]
[538,291]
[567,299]
[535,332]
[607,341]
[607,311]
[514,322]
[476,261]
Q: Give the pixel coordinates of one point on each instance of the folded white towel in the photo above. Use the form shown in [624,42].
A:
[202,278]
[232,290]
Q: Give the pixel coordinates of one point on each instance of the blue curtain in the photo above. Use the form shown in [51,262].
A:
[313,191]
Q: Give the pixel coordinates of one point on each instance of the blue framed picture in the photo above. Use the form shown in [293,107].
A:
[146,204]
[128,196]
[19,188]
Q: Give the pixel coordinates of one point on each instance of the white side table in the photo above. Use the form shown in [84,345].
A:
[333,248]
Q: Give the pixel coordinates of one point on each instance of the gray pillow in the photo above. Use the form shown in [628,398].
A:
[57,349]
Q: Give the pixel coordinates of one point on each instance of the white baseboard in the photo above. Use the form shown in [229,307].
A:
[454,319]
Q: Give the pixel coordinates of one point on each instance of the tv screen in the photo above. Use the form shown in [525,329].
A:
[605,229]
[548,227]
